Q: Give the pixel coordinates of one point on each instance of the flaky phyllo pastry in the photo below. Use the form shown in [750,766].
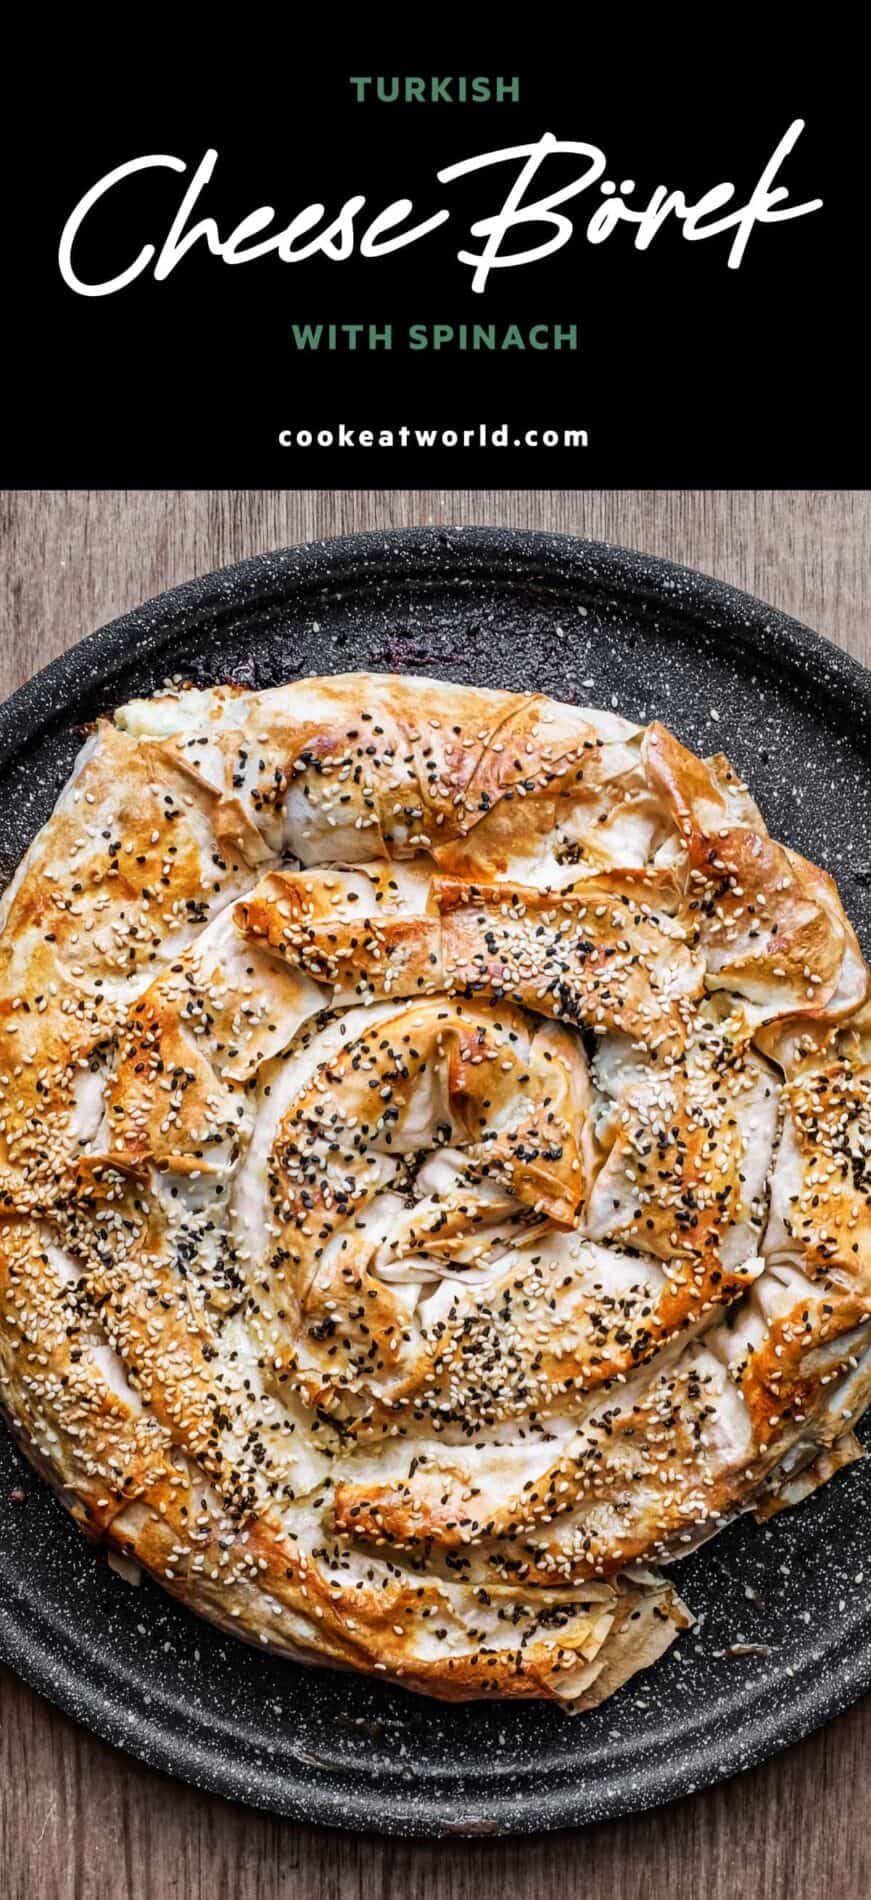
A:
[434,1182]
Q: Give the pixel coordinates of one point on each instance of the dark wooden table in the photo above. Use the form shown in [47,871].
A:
[81,1822]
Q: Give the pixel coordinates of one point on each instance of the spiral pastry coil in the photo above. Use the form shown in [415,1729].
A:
[434,1171]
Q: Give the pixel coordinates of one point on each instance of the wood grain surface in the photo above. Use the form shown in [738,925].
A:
[79,1821]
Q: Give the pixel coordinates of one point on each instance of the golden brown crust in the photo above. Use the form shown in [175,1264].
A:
[594,953]
[434,1151]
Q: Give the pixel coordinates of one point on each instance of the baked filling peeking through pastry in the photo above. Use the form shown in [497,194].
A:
[434,1172]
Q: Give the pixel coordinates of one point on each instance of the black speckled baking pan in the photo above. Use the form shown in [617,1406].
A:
[587,623]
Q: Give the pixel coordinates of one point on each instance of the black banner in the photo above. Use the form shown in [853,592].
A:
[316,271]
